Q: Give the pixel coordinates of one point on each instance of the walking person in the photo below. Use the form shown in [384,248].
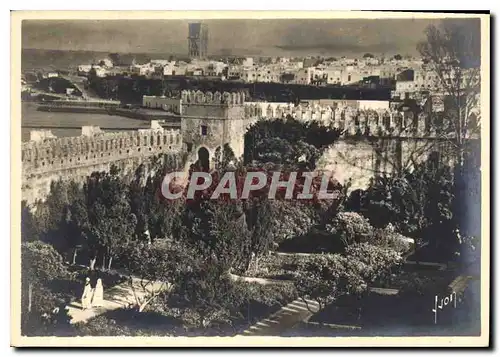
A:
[87,295]
[98,299]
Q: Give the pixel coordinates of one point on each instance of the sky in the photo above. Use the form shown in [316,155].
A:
[286,37]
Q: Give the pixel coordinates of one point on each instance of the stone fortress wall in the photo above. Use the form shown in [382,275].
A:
[374,141]
[50,159]
[363,121]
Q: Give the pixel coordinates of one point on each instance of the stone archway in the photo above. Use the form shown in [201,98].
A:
[204,158]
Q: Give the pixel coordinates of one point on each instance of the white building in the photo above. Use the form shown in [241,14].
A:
[100,71]
[178,69]
[173,105]
[197,71]
[403,87]
[235,71]
[106,62]
[426,80]
[333,75]
[147,69]
[387,72]
[368,61]
[423,80]
[161,62]
[373,104]
[41,135]
[215,69]
[248,75]
[84,68]
[304,75]
[351,75]
[248,62]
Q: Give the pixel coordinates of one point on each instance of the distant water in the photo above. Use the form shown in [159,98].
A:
[71,123]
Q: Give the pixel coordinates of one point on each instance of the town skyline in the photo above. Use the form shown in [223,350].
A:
[285,37]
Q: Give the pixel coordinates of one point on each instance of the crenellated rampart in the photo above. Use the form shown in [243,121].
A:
[49,155]
[369,122]
[209,98]
[52,159]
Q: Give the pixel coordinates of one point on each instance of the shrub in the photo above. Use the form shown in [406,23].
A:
[320,278]
[42,310]
[367,262]
[470,253]
[345,229]
[326,277]
[205,295]
[291,220]
[102,326]
[387,237]
[130,322]
[350,227]
[257,301]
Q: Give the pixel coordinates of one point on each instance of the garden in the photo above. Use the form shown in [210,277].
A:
[331,251]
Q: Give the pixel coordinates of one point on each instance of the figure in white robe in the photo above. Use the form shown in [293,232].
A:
[98,298]
[87,295]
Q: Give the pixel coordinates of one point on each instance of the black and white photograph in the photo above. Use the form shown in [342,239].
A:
[248,176]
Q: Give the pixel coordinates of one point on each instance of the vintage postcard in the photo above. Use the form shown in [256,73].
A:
[250,179]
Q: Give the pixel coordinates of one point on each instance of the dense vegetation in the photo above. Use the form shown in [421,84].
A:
[194,245]
[289,142]
[56,85]
[131,89]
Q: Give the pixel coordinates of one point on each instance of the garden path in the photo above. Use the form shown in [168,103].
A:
[118,296]
[287,317]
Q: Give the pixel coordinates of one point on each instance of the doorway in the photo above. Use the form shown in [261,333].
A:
[204,159]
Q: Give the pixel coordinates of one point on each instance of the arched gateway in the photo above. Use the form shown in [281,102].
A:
[204,159]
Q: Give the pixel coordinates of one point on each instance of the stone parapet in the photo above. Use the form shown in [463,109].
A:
[94,147]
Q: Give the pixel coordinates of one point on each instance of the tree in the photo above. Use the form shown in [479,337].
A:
[110,220]
[291,219]
[368,262]
[349,227]
[419,202]
[398,57]
[207,292]
[41,264]
[52,216]
[452,51]
[153,268]
[162,214]
[29,226]
[115,58]
[432,202]
[224,157]
[326,277]
[289,142]
[78,227]
[260,218]
[218,228]
[368,55]
[319,279]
